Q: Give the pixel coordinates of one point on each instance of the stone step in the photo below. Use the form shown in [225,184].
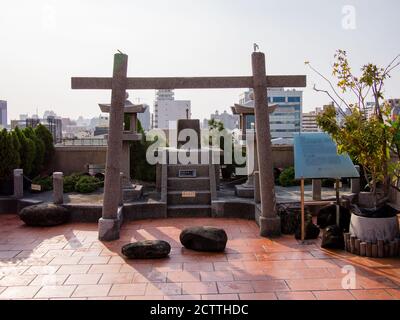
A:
[177,211]
[188,184]
[201,170]
[200,198]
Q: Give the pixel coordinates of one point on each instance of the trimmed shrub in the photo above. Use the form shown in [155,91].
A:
[286,178]
[87,184]
[27,152]
[8,154]
[70,182]
[38,161]
[44,135]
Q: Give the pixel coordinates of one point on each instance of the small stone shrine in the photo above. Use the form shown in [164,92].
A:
[130,190]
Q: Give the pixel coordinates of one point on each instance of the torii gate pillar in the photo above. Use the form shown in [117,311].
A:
[265,213]
[109,224]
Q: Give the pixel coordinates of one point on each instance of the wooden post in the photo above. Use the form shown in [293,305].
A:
[337,203]
[374,250]
[363,249]
[397,247]
[347,241]
[386,249]
[303,233]
[392,248]
[357,246]
[381,248]
[353,244]
[369,250]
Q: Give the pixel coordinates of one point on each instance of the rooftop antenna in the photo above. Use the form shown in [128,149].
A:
[256,47]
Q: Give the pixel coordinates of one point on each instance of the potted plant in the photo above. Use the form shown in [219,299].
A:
[367,132]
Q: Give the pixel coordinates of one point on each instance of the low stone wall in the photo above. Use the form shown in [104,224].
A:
[233,209]
[70,159]
[84,213]
[144,210]
[283,156]
[8,205]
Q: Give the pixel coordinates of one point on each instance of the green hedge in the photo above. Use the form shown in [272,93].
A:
[81,183]
[29,149]
[87,184]
[70,182]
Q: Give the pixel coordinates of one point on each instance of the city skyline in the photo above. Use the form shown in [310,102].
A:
[40,77]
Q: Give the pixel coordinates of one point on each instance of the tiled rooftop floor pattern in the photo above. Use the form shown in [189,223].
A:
[69,262]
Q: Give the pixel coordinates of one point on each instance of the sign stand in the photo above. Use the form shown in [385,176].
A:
[337,186]
[303,233]
[316,157]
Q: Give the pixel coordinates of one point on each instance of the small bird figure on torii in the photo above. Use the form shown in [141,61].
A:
[256,47]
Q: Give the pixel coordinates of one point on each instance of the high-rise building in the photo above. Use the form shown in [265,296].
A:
[49,113]
[3,113]
[230,121]
[309,121]
[395,104]
[144,118]
[53,124]
[167,109]
[286,119]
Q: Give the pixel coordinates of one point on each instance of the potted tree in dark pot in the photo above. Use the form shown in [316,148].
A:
[370,135]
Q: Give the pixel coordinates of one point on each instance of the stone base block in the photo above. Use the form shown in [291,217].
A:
[244,192]
[109,228]
[269,226]
[132,193]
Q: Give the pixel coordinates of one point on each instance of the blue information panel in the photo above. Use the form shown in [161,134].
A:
[316,157]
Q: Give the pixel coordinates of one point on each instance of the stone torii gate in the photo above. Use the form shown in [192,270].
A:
[266,216]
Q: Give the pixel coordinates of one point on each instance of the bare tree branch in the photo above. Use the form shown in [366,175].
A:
[333,99]
[330,84]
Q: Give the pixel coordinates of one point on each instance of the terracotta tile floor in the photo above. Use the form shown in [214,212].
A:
[69,262]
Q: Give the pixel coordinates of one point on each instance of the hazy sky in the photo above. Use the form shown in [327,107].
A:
[43,43]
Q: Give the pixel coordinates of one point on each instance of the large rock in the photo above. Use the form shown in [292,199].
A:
[327,217]
[147,249]
[332,238]
[44,215]
[289,215]
[311,230]
[208,239]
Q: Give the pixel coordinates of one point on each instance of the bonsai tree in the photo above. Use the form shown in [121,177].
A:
[140,168]
[217,136]
[371,140]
